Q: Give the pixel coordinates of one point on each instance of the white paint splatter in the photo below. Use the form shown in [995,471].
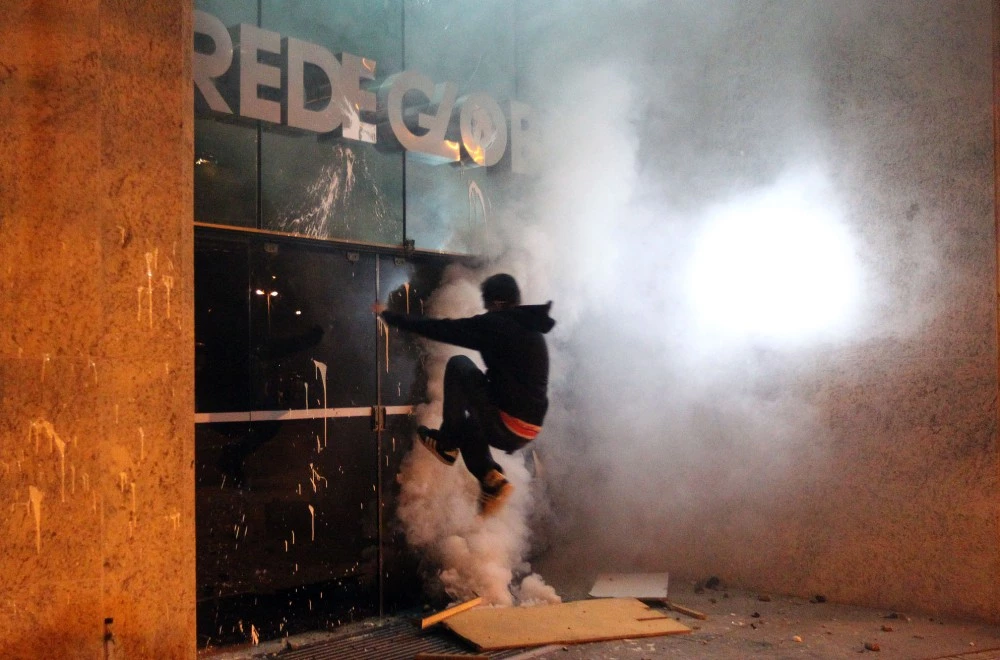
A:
[168,284]
[383,331]
[35,497]
[321,374]
[151,261]
[174,519]
[315,477]
[479,206]
[36,429]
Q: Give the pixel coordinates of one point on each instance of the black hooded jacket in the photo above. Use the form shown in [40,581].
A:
[513,348]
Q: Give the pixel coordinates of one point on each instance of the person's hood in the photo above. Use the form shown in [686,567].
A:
[532,317]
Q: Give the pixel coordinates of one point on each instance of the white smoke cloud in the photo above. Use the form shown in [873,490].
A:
[437,505]
[657,126]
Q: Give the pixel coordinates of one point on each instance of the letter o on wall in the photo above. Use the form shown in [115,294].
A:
[484,129]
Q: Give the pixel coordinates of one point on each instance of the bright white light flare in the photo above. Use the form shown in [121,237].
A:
[777,266]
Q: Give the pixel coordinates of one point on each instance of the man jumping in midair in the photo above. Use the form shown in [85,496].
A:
[502,408]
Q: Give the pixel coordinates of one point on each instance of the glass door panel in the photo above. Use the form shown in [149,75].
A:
[287,488]
[404,286]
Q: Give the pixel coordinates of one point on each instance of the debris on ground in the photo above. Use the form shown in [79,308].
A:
[684,610]
[630,585]
[575,622]
[451,611]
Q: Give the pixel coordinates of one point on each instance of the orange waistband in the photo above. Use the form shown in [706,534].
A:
[519,427]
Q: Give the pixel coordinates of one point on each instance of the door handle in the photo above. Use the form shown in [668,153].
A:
[378,418]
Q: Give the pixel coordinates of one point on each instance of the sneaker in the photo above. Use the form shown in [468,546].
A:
[427,439]
[494,491]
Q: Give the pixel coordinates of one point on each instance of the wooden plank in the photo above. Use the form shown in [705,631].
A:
[630,585]
[685,610]
[598,620]
[451,611]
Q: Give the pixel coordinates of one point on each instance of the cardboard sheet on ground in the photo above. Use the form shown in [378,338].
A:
[497,628]
[630,585]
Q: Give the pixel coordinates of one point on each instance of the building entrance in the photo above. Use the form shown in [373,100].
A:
[302,419]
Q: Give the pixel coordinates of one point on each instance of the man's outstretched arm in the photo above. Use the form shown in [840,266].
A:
[475,332]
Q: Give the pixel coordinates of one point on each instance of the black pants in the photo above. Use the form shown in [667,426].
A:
[471,421]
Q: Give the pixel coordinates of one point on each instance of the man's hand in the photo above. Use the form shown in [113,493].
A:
[388,316]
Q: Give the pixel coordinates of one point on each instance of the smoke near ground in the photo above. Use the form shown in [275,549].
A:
[472,556]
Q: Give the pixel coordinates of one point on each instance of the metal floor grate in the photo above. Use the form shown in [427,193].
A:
[394,639]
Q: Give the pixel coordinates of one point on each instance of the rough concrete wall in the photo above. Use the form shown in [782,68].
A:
[96,330]
[896,501]
[908,516]
[863,468]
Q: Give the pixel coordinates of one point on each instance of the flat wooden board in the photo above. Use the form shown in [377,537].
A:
[498,628]
[630,585]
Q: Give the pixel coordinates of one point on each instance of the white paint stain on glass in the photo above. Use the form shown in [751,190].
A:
[383,331]
[320,368]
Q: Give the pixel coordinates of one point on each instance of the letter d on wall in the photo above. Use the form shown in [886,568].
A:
[328,118]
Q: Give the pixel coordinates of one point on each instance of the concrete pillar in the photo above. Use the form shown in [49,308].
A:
[96,330]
